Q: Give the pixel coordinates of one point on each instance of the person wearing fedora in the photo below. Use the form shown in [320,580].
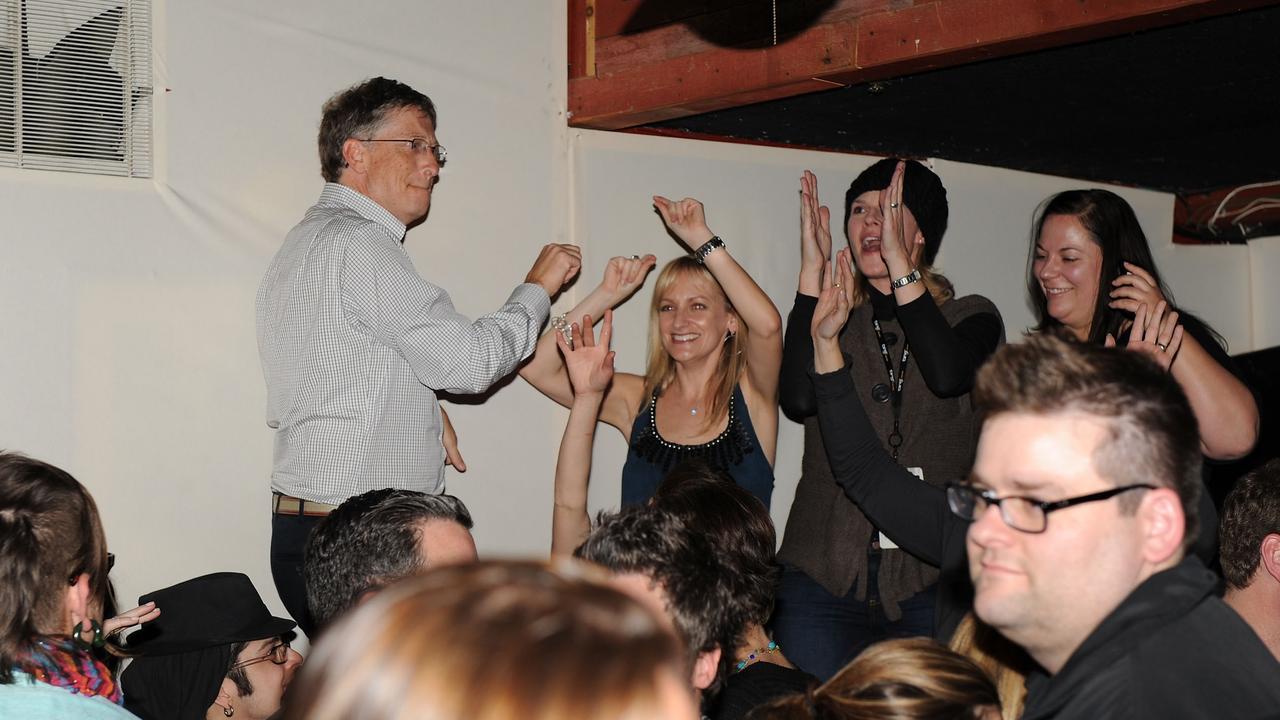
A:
[216,652]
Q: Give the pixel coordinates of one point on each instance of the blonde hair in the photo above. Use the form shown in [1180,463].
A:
[496,640]
[905,679]
[661,369]
[1006,663]
[939,287]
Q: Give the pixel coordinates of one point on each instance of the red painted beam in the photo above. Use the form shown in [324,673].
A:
[677,74]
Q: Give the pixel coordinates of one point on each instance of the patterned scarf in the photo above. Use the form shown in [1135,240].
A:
[61,663]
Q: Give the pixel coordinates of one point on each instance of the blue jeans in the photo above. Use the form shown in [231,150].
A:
[289,535]
[821,632]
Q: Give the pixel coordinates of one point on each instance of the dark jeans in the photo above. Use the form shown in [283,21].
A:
[821,633]
[288,541]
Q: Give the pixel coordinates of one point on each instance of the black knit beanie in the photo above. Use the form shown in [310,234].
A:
[922,191]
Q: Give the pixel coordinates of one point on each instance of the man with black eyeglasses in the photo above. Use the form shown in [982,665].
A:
[215,651]
[355,344]
[1073,529]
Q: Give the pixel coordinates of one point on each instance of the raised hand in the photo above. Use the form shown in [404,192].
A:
[832,310]
[815,235]
[623,275]
[1154,333]
[590,364]
[1135,288]
[686,219]
[893,240]
[556,265]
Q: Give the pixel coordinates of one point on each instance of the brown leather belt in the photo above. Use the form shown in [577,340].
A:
[288,505]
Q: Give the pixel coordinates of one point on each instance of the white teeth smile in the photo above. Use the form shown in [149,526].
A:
[869,242]
[1056,291]
[683,338]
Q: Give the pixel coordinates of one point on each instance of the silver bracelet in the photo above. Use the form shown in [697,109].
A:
[708,247]
[560,324]
[905,280]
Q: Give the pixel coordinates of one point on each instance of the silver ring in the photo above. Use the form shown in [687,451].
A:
[1162,346]
[635,257]
[837,285]
[893,205]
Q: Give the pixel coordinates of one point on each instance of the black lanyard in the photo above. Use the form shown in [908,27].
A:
[895,385]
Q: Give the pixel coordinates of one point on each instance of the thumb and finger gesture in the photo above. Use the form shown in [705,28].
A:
[589,363]
[686,218]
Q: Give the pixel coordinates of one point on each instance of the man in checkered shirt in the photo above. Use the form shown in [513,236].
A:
[355,344]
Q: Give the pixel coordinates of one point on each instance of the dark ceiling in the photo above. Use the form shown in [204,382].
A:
[1182,109]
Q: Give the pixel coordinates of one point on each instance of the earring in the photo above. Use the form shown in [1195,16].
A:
[98,640]
[227,711]
[729,335]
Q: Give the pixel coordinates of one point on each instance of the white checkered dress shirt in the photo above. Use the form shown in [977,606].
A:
[354,346]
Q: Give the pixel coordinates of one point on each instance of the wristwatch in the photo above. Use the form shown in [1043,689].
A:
[905,280]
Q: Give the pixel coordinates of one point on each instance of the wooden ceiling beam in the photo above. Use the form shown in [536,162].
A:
[668,71]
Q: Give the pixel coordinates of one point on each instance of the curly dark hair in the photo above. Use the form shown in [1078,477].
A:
[357,112]
[1250,513]
[650,541]
[369,541]
[739,528]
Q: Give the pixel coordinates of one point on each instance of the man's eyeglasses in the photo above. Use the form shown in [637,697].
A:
[278,654]
[1021,513]
[418,145]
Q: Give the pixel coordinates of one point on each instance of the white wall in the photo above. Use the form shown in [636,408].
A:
[129,355]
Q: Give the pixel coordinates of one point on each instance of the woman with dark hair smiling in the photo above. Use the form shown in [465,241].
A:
[1091,274]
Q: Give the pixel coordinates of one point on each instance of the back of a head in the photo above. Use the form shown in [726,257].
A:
[1250,513]
[369,541]
[650,541]
[1152,432]
[50,532]
[737,525]
[906,679]
[492,641]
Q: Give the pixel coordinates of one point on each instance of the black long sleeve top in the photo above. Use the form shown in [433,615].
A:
[948,357]
[911,511]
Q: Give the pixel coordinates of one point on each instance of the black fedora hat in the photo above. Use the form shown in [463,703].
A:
[211,610]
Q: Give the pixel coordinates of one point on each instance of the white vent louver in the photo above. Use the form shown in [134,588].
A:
[75,86]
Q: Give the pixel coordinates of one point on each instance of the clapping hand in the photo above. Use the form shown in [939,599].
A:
[590,364]
[815,224]
[834,303]
[893,239]
[1154,333]
[686,219]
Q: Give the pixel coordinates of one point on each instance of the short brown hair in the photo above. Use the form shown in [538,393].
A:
[1250,513]
[491,641]
[1152,433]
[358,112]
[905,679]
